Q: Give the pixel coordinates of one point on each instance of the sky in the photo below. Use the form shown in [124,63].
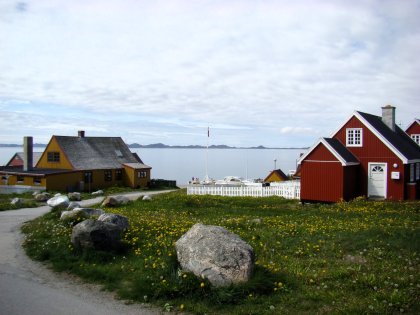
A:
[273,73]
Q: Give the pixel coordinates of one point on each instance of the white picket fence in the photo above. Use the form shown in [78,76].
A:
[288,190]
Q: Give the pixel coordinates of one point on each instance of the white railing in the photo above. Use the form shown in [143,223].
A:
[19,189]
[288,190]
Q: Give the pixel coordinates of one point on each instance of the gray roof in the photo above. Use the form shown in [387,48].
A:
[136,165]
[341,150]
[86,153]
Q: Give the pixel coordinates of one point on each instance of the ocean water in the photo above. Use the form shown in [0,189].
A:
[183,164]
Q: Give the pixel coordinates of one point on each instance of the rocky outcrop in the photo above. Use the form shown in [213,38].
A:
[214,253]
[117,219]
[95,234]
[115,201]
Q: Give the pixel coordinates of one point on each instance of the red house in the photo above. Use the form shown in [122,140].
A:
[368,156]
[414,131]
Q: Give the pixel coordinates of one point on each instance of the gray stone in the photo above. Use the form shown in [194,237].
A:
[114,201]
[147,198]
[73,205]
[91,212]
[98,235]
[117,219]
[59,201]
[16,202]
[98,193]
[74,196]
[42,196]
[75,215]
[57,194]
[214,253]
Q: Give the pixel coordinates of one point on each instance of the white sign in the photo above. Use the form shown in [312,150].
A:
[395,175]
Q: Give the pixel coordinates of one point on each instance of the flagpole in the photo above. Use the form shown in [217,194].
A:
[206,179]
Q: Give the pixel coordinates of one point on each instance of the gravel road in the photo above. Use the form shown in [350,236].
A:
[30,288]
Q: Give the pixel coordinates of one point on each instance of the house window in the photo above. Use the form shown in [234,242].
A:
[354,137]
[108,175]
[88,177]
[53,156]
[142,174]
[411,172]
[37,180]
[20,178]
[118,174]
[416,138]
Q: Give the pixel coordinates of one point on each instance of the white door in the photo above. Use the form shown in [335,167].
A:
[377,180]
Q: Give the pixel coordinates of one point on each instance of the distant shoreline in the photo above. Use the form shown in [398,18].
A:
[164,146]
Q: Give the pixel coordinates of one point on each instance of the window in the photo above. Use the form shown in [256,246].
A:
[108,175]
[118,175]
[88,177]
[142,174]
[417,171]
[20,178]
[416,138]
[53,156]
[37,180]
[354,137]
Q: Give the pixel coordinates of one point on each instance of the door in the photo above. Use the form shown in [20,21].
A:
[377,180]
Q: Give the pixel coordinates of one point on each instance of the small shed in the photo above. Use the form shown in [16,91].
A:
[328,172]
[276,176]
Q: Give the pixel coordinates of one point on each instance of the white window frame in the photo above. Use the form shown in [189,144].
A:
[416,138]
[351,140]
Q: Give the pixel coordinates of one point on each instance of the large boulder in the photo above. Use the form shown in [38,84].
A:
[59,201]
[98,235]
[44,196]
[117,219]
[74,196]
[215,253]
[115,201]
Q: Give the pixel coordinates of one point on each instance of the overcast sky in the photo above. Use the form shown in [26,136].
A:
[272,73]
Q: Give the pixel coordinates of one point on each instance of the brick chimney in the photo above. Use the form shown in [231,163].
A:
[28,154]
[81,133]
[388,116]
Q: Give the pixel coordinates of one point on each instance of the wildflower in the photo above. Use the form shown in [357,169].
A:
[202,285]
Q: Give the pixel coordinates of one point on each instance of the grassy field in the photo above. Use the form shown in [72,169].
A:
[349,258]
[29,202]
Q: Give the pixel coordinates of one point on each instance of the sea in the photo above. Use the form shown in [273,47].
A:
[184,164]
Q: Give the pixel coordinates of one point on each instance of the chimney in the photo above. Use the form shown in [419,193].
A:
[388,116]
[28,149]
[81,133]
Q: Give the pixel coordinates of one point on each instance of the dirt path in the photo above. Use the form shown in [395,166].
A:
[30,288]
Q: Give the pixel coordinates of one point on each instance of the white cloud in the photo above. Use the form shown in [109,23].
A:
[176,66]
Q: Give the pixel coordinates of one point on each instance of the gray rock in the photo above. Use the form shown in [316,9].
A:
[92,212]
[73,205]
[114,201]
[147,198]
[74,196]
[214,253]
[75,215]
[117,219]
[94,234]
[98,193]
[59,201]
[42,196]
[16,202]
[57,194]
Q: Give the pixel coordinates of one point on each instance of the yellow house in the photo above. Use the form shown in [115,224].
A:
[79,163]
[276,176]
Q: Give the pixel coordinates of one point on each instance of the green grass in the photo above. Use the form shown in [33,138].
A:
[349,258]
[29,202]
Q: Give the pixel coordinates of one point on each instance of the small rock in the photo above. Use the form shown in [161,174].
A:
[147,198]
[16,202]
[113,201]
[98,193]
[75,215]
[57,194]
[73,205]
[117,219]
[94,234]
[74,196]
[42,196]
[58,202]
